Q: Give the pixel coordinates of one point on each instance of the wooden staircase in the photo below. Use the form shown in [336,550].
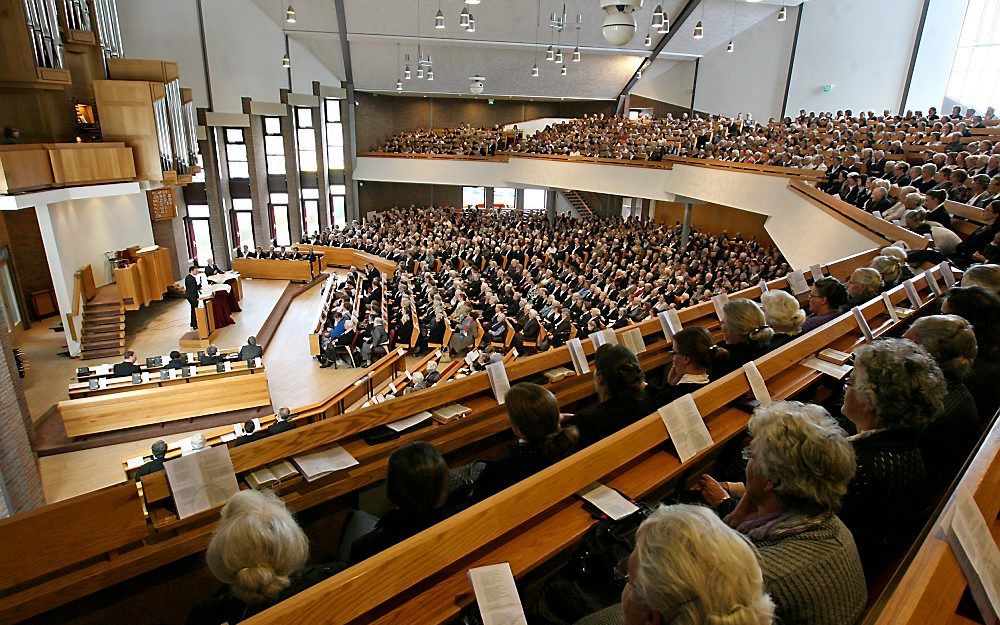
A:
[578,203]
[103,331]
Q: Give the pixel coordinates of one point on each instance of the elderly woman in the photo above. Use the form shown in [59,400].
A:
[621,388]
[260,553]
[799,465]
[986,276]
[863,285]
[689,567]
[947,441]
[783,314]
[894,391]
[889,269]
[981,308]
[746,332]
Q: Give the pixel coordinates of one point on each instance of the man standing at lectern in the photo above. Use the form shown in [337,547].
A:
[191,294]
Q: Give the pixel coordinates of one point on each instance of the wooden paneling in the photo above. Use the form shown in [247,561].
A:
[715,218]
[88,163]
[294,270]
[126,110]
[47,539]
[347,257]
[24,168]
[129,409]
[145,280]
[147,70]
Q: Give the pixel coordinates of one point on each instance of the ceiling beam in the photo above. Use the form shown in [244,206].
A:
[675,27]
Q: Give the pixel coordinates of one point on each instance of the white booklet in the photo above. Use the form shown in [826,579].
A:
[496,594]
[608,501]
[890,307]
[947,273]
[763,286]
[863,323]
[833,370]
[911,292]
[201,481]
[816,271]
[580,364]
[932,282]
[686,428]
[977,553]
[797,282]
[719,302]
[408,422]
[757,384]
[316,464]
[670,321]
[497,373]
[632,339]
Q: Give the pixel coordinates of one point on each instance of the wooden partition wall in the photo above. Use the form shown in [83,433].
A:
[37,166]
[145,280]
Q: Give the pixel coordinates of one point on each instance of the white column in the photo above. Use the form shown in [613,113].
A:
[62,279]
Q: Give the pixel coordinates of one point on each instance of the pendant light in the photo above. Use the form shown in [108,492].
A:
[732,30]
[471,1]
[399,83]
[290,14]
[550,54]
[534,70]
[286,62]
[657,17]
[430,74]
[729,48]
[439,20]
[666,26]
[576,50]
[563,70]
[472,23]
[699,29]
[534,49]
[420,72]
[463,18]
[576,54]
[648,41]
[782,14]
[559,56]
[406,72]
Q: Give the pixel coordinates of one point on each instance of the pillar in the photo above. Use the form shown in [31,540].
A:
[217,190]
[686,224]
[257,163]
[550,205]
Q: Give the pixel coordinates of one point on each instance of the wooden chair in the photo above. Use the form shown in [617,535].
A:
[508,336]
[538,340]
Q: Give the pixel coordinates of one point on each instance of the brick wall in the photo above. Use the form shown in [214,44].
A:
[20,232]
[375,196]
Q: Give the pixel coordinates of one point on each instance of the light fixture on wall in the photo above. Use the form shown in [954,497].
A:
[782,14]
[290,14]
[286,62]
[657,17]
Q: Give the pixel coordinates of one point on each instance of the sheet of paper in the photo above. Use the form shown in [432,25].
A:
[597,339]
[932,281]
[103,370]
[763,286]
[610,336]
[201,481]
[863,323]
[135,463]
[797,282]
[878,214]
[816,271]
[496,594]
[757,384]
[608,501]
[685,426]
[670,322]
[835,371]
[225,438]
[408,422]
[719,302]
[497,373]
[889,306]
[318,463]
[576,355]
[911,293]
[947,273]
[977,554]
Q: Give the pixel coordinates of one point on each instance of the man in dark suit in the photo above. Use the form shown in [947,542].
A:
[251,434]
[127,367]
[212,269]
[191,292]
[155,465]
[281,422]
[251,349]
[210,357]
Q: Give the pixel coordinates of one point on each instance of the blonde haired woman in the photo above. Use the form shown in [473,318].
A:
[783,313]
[746,332]
[260,553]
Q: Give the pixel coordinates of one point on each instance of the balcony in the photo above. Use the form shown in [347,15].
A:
[40,166]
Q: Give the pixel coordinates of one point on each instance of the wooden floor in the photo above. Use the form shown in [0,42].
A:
[294,377]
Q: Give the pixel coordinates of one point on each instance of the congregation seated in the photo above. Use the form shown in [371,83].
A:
[981,308]
[951,435]
[261,556]
[746,334]
[784,315]
[689,567]
[986,276]
[788,510]
[250,434]
[127,367]
[282,422]
[251,350]
[864,284]
[622,393]
[159,451]
[893,392]
[695,354]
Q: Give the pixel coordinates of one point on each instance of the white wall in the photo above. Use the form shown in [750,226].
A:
[671,84]
[862,47]
[78,232]
[936,53]
[244,51]
[751,79]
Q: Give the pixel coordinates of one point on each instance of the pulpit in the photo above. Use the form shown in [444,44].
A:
[220,298]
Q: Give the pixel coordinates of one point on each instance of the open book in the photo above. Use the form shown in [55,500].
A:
[317,464]
[449,412]
[554,375]
[266,477]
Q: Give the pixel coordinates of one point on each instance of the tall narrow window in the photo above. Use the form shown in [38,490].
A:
[534,199]
[338,205]
[280,232]
[975,71]
[305,138]
[474,197]
[310,210]
[199,234]
[242,216]
[241,206]
[334,136]
[236,153]
[277,182]
[305,143]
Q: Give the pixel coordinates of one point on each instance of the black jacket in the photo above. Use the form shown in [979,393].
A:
[190,288]
[251,351]
[279,426]
[176,363]
[394,527]
[608,417]
[522,460]
[948,440]
[153,466]
[123,369]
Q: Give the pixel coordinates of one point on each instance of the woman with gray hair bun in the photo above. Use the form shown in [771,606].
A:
[949,439]
[799,464]
[746,332]
[894,391]
[689,568]
[889,268]
[260,553]
[783,313]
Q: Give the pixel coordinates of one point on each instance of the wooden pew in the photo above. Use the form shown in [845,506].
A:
[330,287]
[173,541]
[93,371]
[349,257]
[423,578]
[293,270]
[79,390]
[172,402]
[932,585]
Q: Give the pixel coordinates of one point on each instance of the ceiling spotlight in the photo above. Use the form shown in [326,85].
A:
[729,48]
[576,54]
[439,19]
[782,14]
[638,73]
[666,26]
[463,19]
[648,41]
[534,70]
[699,30]
[420,72]
[658,16]
[286,62]
[399,85]
[430,74]
[563,70]
[471,1]
[406,72]
[559,56]
[290,14]
[472,23]
[550,54]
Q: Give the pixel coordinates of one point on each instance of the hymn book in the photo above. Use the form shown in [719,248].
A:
[632,339]
[558,373]
[947,273]
[449,412]
[496,594]
[976,551]
[837,372]
[719,302]
[932,282]
[579,358]
[911,293]
[322,462]
[686,428]
[408,422]
[608,501]
[757,384]
[893,313]
[201,481]
[863,324]
[797,282]
[266,477]
[670,321]
[835,356]
[816,271]
[497,373]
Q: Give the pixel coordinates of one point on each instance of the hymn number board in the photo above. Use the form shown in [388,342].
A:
[161,204]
